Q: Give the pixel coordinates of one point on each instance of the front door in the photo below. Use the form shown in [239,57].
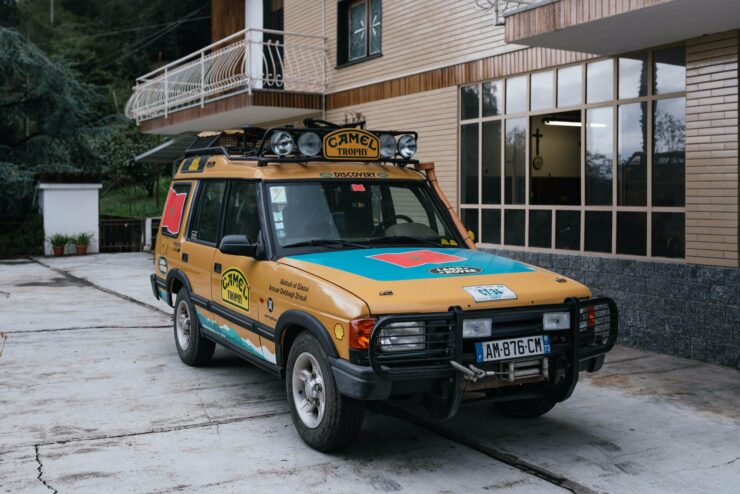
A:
[235,289]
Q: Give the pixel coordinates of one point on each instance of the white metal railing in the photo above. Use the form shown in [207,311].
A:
[247,60]
[504,8]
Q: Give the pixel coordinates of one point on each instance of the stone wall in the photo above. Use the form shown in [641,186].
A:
[686,310]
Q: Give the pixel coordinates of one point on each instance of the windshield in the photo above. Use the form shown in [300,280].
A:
[351,214]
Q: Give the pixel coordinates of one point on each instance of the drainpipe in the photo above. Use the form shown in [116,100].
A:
[428,169]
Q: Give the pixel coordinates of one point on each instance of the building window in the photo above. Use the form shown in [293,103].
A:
[359,30]
[589,157]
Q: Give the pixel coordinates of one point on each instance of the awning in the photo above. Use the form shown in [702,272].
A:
[168,151]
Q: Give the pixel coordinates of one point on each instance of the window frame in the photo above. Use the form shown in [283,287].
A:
[344,35]
[649,98]
[196,207]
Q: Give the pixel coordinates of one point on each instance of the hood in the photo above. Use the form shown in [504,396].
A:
[409,280]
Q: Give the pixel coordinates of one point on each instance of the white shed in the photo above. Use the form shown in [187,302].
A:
[70,209]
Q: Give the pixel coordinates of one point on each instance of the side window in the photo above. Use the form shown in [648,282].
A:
[242,214]
[174,207]
[204,226]
[359,30]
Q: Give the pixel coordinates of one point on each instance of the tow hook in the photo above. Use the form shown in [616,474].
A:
[471,373]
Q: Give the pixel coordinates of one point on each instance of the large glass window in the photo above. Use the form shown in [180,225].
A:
[632,160]
[600,81]
[541,92]
[669,69]
[469,163]
[569,86]
[669,152]
[539,171]
[516,95]
[493,98]
[491,162]
[633,75]
[515,160]
[599,156]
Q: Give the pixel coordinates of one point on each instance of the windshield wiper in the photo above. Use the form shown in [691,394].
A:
[325,242]
[403,239]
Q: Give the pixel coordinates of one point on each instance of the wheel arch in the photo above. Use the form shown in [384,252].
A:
[176,279]
[290,324]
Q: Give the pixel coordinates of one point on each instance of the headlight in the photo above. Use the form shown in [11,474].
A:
[387,146]
[477,328]
[402,337]
[407,146]
[282,143]
[309,144]
[556,320]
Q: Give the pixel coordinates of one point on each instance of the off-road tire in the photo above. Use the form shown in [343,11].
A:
[526,409]
[200,349]
[342,419]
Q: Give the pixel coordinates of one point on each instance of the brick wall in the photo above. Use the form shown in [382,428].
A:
[690,311]
[712,149]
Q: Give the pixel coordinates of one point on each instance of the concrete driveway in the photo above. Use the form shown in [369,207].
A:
[94,399]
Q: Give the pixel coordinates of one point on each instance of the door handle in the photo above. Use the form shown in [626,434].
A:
[217,267]
[184,257]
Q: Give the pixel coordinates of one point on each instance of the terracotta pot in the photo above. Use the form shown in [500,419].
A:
[81,249]
[58,250]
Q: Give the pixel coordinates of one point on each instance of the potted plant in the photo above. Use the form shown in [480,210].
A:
[82,240]
[58,242]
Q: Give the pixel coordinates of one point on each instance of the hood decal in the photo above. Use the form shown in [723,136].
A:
[399,264]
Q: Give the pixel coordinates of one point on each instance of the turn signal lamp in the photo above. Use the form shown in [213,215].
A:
[359,333]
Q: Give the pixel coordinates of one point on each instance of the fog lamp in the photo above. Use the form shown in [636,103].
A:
[309,144]
[555,320]
[282,143]
[477,328]
[387,146]
[407,146]
[402,337]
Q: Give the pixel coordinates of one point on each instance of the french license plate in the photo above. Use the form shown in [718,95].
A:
[514,348]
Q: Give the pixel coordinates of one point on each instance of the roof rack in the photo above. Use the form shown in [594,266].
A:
[256,144]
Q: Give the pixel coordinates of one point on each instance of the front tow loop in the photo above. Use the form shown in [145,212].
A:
[471,372]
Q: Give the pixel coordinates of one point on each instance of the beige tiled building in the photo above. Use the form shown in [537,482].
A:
[596,136]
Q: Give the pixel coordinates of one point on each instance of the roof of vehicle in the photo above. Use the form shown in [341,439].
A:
[220,166]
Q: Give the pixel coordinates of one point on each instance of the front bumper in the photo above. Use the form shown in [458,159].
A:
[378,375]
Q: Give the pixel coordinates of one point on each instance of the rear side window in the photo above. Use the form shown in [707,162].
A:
[174,206]
[242,217]
[204,226]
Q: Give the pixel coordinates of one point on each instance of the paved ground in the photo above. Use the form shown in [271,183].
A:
[93,398]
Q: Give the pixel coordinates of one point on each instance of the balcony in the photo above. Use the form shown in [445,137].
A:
[250,77]
[606,27]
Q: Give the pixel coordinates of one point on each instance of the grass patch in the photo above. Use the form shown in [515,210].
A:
[134,201]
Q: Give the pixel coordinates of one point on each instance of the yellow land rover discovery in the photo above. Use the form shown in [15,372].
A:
[329,257]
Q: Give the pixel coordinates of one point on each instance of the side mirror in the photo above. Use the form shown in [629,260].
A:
[238,245]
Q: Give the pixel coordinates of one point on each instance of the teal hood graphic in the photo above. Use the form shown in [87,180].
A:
[398,264]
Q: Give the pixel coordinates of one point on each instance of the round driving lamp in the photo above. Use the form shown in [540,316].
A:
[282,143]
[407,146]
[309,144]
[387,146]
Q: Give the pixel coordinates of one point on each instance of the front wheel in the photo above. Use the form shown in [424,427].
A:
[526,409]
[192,347]
[325,419]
